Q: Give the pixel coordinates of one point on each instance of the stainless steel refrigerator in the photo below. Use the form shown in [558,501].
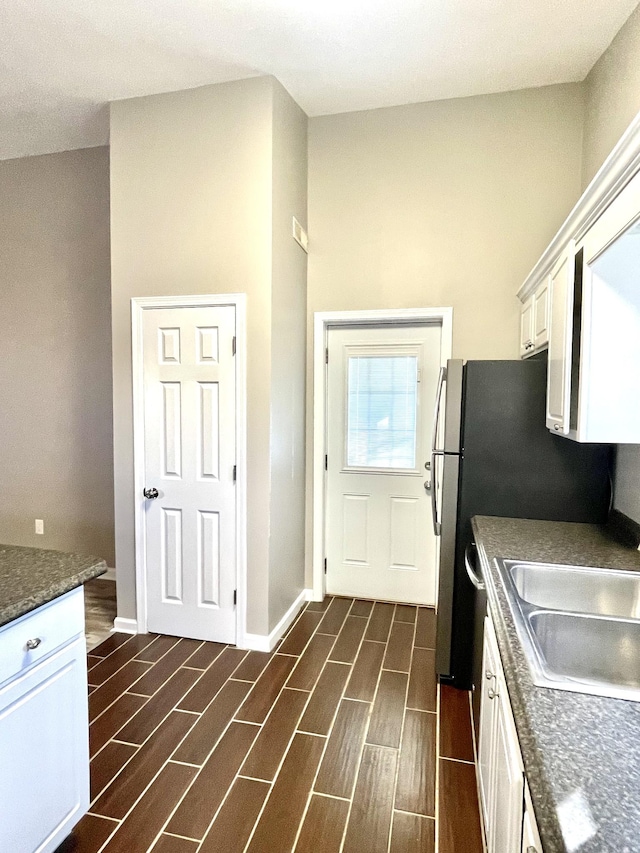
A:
[493,455]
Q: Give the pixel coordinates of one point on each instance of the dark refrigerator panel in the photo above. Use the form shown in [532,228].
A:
[512,466]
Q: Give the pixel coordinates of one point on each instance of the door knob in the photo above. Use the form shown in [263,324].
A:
[151,494]
[427,485]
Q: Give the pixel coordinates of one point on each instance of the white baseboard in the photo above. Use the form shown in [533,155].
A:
[125,626]
[267,642]
[311,595]
[255,642]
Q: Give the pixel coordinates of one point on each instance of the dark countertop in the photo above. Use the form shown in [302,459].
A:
[581,753]
[30,577]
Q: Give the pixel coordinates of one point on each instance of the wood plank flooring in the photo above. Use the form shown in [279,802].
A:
[340,741]
[99,610]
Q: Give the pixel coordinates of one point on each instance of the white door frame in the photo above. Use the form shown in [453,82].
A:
[322,322]
[138,306]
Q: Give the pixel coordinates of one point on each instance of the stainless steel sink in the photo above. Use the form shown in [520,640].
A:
[582,590]
[591,650]
[579,627]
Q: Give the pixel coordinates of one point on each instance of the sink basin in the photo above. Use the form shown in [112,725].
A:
[583,590]
[593,651]
[579,627]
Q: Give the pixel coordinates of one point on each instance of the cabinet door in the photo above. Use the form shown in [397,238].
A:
[526,328]
[44,752]
[486,736]
[508,783]
[560,342]
[530,836]
[541,308]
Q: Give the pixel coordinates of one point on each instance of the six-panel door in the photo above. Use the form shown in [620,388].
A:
[190,458]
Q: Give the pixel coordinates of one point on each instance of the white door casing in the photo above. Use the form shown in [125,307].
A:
[381,385]
[188,447]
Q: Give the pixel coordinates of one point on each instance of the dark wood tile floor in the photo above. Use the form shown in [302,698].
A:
[341,740]
[99,610]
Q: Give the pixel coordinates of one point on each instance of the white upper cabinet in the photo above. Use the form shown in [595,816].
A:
[541,315]
[526,328]
[608,403]
[560,342]
[534,321]
[583,295]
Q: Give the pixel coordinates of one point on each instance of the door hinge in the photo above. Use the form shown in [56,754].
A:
[233,345]
[326,462]
[235,473]
[235,596]
[326,355]
[325,565]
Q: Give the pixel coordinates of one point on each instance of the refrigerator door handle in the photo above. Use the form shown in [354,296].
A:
[442,378]
[473,577]
[435,452]
[437,526]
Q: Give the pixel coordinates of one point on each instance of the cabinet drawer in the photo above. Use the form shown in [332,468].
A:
[53,624]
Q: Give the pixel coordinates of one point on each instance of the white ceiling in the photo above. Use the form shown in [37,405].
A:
[61,61]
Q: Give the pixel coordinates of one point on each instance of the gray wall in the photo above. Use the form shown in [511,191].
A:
[191,213]
[55,371]
[612,102]
[440,204]
[203,187]
[288,353]
[612,91]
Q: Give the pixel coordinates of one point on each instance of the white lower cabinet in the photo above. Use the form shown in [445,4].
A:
[500,768]
[486,737]
[44,748]
[530,837]
[508,778]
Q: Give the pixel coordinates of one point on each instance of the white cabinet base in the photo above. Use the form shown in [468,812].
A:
[500,769]
[44,746]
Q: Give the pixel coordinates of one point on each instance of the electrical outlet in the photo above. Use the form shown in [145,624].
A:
[39,526]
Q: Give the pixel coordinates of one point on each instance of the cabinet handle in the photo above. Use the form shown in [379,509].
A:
[33,644]
[489,675]
[531,849]
[492,694]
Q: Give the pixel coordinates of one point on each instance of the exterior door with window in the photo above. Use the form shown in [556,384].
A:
[381,388]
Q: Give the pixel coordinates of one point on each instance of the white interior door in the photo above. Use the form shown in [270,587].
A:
[190,458]
[381,389]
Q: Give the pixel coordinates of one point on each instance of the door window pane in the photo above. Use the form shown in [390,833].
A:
[381,411]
